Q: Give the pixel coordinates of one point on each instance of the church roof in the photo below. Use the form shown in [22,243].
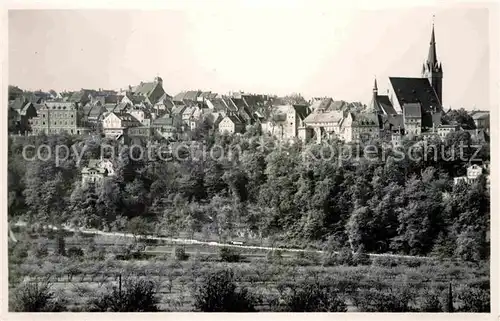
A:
[386,105]
[415,90]
[412,110]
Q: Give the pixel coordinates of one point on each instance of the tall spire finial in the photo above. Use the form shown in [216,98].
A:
[432,57]
[375,88]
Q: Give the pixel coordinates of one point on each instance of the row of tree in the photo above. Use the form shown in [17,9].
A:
[256,187]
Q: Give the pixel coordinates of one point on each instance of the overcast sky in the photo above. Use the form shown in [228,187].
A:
[317,51]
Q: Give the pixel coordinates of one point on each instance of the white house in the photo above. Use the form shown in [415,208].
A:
[231,124]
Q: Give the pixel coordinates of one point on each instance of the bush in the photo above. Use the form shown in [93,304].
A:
[75,252]
[385,261]
[180,253]
[312,297]
[135,296]
[19,252]
[344,257]
[391,300]
[218,293]
[474,300]
[430,302]
[361,257]
[227,254]
[274,256]
[41,249]
[35,297]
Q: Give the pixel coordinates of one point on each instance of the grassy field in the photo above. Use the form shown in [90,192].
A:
[79,279]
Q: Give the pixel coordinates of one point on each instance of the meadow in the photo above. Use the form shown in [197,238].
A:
[92,264]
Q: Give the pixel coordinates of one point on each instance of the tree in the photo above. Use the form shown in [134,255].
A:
[136,296]
[35,297]
[138,226]
[218,293]
[358,227]
[312,297]
[461,117]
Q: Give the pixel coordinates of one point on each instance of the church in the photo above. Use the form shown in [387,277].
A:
[412,105]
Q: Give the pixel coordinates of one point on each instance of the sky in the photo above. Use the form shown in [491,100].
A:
[312,50]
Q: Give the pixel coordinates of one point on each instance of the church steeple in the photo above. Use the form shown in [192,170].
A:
[432,69]
[432,57]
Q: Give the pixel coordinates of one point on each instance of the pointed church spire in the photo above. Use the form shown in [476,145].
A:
[375,89]
[432,57]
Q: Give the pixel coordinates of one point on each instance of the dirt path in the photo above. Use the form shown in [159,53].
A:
[191,241]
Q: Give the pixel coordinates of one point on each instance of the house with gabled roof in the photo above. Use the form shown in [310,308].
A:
[96,171]
[115,124]
[151,92]
[287,121]
[481,119]
[412,119]
[360,126]
[21,111]
[231,124]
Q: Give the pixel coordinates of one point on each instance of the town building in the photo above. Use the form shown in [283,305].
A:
[146,92]
[473,173]
[21,111]
[231,124]
[287,122]
[96,171]
[116,124]
[58,117]
[481,120]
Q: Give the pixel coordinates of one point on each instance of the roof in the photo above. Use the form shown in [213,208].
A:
[192,95]
[395,120]
[179,97]
[302,111]
[412,110]
[325,104]
[234,119]
[178,110]
[219,104]
[164,121]
[230,104]
[333,116]
[136,98]
[144,88]
[118,108]
[382,103]
[365,119]
[19,103]
[97,111]
[416,90]
[480,115]
[60,105]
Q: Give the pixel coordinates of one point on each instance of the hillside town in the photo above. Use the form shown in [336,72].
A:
[407,106]
[258,213]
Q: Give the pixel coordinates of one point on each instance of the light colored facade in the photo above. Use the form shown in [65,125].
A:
[58,117]
[473,174]
[231,125]
[482,119]
[115,124]
[96,171]
[443,130]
